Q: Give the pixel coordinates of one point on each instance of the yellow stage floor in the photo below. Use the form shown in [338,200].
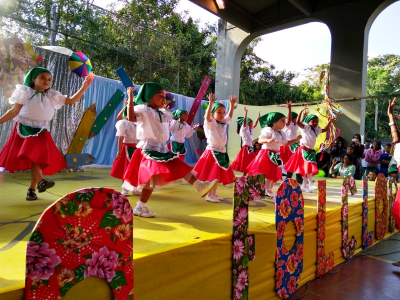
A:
[182,219]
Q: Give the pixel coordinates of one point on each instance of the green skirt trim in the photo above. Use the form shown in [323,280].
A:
[130,151]
[158,156]
[178,148]
[275,158]
[222,159]
[309,156]
[25,131]
[293,147]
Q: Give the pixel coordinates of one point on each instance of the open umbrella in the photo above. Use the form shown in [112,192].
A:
[80,64]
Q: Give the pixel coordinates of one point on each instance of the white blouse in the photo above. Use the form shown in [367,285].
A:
[216,134]
[127,129]
[151,133]
[396,154]
[35,112]
[180,131]
[309,136]
[269,133]
[290,131]
[247,135]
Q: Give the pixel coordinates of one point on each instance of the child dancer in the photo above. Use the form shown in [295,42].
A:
[179,131]
[214,162]
[126,132]
[30,145]
[303,161]
[246,153]
[268,161]
[152,164]
[290,130]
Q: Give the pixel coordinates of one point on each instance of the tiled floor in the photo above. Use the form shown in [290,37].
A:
[365,277]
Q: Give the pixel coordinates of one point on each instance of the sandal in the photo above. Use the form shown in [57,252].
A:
[43,185]
[31,195]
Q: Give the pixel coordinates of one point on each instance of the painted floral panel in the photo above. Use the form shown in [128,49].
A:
[367,238]
[348,247]
[381,216]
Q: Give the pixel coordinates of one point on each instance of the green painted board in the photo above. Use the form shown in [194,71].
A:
[106,113]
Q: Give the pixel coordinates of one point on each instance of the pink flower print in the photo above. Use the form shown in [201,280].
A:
[238,249]
[281,229]
[278,277]
[238,294]
[284,209]
[254,194]
[241,183]
[40,261]
[241,218]
[300,252]
[292,284]
[242,280]
[294,199]
[122,208]
[282,293]
[280,192]
[299,225]
[102,264]
[237,208]
[291,264]
[344,192]
[234,271]
[344,237]
[345,212]
[250,240]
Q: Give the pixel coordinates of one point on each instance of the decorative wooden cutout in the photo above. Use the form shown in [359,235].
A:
[380,216]
[392,197]
[367,236]
[348,247]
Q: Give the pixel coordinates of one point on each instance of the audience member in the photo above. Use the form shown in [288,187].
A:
[323,160]
[367,145]
[384,160]
[341,170]
[372,157]
[371,175]
[393,173]
[338,150]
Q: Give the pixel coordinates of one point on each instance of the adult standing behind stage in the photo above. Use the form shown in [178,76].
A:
[395,135]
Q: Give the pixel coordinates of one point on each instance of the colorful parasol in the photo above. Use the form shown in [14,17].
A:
[80,64]
[170,100]
[200,132]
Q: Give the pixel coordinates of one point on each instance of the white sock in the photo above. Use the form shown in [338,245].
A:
[310,179]
[140,203]
[304,184]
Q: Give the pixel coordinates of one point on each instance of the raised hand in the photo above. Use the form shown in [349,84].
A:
[259,114]
[299,137]
[232,99]
[196,125]
[289,104]
[245,109]
[391,106]
[130,91]
[88,80]
[211,98]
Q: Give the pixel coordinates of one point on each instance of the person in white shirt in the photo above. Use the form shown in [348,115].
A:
[30,145]
[303,162]
[152,163]
[180,130]
[246,153]
[268,161]
[214,162]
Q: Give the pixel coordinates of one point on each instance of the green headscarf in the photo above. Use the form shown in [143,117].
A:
[241,120]
[270,119]
[32,74]
[392,169]
[215,106]
[177,113]
[309,118]
[294,115]
[147,91]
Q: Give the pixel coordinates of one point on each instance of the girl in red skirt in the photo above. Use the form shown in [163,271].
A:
[303,161]
[152,163]
[268,161]
[179,131]
[126,132]
[246,153]
[290,130]
[214,162]
[30,145]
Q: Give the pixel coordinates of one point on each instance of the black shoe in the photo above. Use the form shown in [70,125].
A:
[43,185]
[30,196]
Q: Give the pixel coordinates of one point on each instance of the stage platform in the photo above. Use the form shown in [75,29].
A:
[185,251]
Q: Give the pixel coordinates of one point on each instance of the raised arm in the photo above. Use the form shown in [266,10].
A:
[325,129]
[291,142]
[393,127]
[256,123]
[245,117]
[131,110]
[11,113]
[211,99]
[81,91]
[289,114]
[232,100]
[299,117]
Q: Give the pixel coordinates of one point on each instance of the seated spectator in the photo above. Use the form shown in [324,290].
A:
[371,175]
[341,170]
[372,157]
[384,160]
[337,151]
[393,173]
[355,160]
[323,160]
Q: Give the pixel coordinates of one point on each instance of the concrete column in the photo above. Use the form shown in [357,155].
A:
[231,44]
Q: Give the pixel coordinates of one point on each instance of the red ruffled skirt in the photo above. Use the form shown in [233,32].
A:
[120,164]
[243,159]
[141,169]
[298,165]
[396,209]
[207,169]
[262,164]
[18,153]
[286,154]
